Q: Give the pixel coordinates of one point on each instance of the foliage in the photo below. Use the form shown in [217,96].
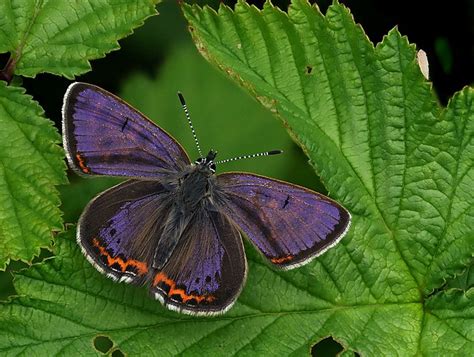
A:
[399,283]
[50,37]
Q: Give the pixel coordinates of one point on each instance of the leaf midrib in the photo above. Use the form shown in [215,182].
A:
[19,50]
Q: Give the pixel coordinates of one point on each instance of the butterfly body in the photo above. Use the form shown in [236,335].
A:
[196,185]
[190,190]
[174,225]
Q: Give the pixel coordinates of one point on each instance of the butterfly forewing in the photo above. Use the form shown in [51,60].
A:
[103,135]
[206,271]
[289,224]
[118,227]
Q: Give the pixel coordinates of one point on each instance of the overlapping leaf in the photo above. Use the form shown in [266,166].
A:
[55,37]
[59,37]
[31,164]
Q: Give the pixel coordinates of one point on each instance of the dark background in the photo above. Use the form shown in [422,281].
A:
[444,30]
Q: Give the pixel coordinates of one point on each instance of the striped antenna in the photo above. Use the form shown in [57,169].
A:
[185,108]
[266,153]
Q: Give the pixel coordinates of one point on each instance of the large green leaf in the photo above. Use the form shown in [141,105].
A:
[376,135]
[369,122]
[31,164]
[383,146]
[65,303]
[60,37]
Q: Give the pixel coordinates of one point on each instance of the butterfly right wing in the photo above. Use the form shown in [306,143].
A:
[119,228]
[103,135]
[289,224]
[206,271]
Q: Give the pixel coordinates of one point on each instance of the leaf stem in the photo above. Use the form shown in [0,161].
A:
[6,74]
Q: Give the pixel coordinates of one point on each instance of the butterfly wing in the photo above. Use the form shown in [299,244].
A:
[289,224]
[103,135]
[207,269]
[118,228]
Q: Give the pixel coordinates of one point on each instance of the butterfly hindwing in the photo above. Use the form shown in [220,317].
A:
[207,270]
[103,135]
[118,227]
[289,224]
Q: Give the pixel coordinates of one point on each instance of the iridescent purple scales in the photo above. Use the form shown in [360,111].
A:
[174,225]
[281,219]
[112,138]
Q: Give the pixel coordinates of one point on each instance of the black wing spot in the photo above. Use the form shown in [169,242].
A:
[176,297]
[287,200]
[165,287]
[192,302]
[197,280]
[112,232]
[208,279]
[125,124]
[116,266]
[104,259]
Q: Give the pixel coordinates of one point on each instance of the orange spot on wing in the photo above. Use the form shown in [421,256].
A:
[161,277]
[282,259]
[140,266]
[82,163]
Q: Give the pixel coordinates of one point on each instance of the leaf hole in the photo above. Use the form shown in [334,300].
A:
[117,353]
[309,69]
[327,347]
[103,344]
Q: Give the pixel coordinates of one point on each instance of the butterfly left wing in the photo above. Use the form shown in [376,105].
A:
[103,135]
[119,228]
[207,269]
[289,224]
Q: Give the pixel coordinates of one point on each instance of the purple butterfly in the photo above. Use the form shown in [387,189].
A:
[174,225]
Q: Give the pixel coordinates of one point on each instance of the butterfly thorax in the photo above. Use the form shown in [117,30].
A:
[195,186]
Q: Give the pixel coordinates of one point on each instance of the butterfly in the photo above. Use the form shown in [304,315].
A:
[174,225]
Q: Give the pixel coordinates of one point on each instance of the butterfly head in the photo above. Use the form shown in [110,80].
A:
[208,161]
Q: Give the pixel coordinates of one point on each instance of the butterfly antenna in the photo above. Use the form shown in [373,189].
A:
[186,112]
[265,153]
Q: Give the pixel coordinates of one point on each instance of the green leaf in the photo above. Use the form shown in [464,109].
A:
[31,164]
[378,138]
[61,37]
[447,324]
[65,303]
[383,146]
[465,281]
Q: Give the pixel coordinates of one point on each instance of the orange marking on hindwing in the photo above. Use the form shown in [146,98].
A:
[161,277]
[140,266]
[82,163]
[282,259]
